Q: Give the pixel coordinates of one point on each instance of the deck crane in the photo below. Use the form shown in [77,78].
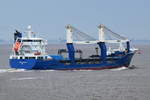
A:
[105,35]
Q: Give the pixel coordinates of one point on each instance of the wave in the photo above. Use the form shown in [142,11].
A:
[25,78]
[12,70]
[119,69]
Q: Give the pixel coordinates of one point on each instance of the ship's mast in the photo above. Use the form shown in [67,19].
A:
[29,31]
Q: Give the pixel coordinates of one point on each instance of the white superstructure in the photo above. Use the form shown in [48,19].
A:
[29,46]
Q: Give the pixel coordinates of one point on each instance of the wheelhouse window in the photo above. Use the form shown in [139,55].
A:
[31,40]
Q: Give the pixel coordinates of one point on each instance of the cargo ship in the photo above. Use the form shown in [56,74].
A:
[29,52]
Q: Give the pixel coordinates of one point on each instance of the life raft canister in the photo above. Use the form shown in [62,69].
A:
[37,53]
[17,46]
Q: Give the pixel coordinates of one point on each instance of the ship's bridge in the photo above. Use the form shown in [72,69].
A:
[32,46]
[29,45]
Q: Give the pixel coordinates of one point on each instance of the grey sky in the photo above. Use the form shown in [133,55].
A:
[131,18]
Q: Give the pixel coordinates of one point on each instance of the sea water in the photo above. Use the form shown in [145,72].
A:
[109,84]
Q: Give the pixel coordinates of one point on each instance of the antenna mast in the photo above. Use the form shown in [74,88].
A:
[29,31]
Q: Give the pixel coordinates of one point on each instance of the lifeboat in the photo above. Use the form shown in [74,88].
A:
[37,53]
[17,46]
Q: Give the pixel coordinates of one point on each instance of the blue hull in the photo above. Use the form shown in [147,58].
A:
[57,65]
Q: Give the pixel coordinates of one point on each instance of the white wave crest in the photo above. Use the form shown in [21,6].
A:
[119,69]
[11,70]
[25,78]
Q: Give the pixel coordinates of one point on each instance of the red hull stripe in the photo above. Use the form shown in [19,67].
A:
[99,68]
